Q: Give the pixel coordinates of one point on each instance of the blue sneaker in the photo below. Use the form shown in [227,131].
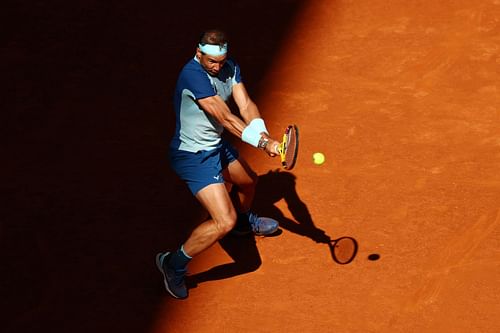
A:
[251,223]
[173,278]
[262,226]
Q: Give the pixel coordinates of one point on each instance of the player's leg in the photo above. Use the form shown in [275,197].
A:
[202,173]
[244,179]
[217,202]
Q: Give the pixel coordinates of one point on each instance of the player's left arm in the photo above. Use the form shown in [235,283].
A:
[249,111]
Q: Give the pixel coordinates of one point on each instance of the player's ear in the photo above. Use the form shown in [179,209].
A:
[198,53]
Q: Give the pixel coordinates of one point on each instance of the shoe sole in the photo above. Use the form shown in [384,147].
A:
[250,232]
[269,233]
[160,268]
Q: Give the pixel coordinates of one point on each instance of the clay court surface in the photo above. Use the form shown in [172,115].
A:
[402,97]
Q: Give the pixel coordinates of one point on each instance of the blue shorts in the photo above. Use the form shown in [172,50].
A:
[203,168]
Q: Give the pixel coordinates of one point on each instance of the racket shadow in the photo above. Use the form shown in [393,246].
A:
[343,250]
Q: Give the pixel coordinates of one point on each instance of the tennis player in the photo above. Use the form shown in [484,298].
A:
[207,162]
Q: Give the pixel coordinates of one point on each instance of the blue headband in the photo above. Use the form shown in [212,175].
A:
[213,50]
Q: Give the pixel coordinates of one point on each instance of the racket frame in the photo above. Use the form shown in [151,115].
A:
[282,148]
[332,244]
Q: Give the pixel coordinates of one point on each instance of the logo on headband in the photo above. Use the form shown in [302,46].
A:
[213,50]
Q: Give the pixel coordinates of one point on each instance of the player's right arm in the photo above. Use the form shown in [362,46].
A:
[217,108]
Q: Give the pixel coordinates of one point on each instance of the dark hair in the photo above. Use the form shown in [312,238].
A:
[213,37]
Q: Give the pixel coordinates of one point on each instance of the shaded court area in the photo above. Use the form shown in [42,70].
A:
[88,198]
[401,97]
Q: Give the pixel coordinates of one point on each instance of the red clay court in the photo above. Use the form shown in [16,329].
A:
[402,97]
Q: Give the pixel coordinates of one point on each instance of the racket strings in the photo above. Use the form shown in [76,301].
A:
[290,147]
[344,250]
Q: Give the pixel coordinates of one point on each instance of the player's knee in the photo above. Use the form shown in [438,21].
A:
[226,224]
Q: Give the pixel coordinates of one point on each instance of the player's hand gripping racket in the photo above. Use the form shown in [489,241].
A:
[343,249]
[289,147]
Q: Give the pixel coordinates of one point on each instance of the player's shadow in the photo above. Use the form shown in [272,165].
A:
[244,253]
[278,185]
[272,187]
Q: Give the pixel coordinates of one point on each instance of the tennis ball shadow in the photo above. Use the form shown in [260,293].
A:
[374,257]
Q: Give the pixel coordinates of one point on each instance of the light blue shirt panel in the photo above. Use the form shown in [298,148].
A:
[198,130]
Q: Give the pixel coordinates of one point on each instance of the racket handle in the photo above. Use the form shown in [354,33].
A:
[278,148]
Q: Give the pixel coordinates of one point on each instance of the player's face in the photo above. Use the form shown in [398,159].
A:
[212,64]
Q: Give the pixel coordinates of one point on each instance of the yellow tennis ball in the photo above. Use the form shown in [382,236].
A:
[318,158]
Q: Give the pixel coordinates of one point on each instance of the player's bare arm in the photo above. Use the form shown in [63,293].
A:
[249,111]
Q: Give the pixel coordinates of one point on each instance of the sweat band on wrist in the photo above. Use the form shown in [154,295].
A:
[251,136]
[259,125]
[213,50]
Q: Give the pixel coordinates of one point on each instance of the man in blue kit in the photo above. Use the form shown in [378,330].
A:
[206,162]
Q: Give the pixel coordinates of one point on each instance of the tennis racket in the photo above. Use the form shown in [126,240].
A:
[343,249]
[289,147]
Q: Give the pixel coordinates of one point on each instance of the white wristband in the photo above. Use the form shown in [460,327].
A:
[251,136]
[259,125]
